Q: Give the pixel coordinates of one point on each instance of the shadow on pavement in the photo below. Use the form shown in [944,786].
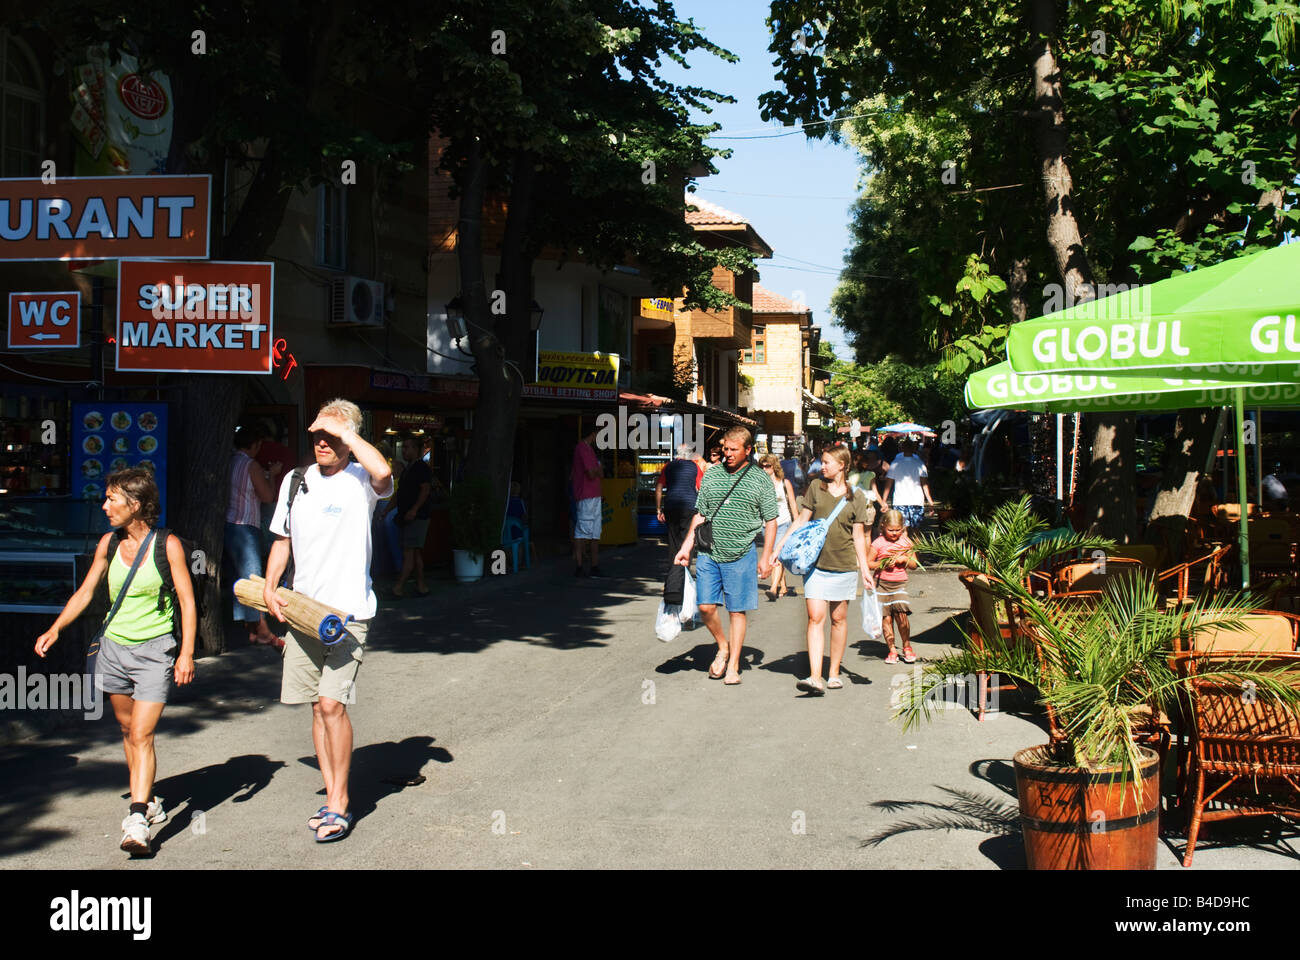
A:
[380,770]
[967,810]
[208,787]
[33,778]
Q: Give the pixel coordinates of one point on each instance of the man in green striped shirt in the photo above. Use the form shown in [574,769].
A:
[740,500]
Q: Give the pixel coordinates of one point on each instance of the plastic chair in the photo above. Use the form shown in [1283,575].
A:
[514,534]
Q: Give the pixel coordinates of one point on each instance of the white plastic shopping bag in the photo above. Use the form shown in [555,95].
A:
[688,599]
[668,622]
[871,615]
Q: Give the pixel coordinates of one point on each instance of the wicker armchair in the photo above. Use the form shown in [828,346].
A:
[1237,738]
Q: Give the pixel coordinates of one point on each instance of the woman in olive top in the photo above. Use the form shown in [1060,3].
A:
[841,566]
[137,655]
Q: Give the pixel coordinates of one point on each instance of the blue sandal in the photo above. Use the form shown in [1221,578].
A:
[319,817]
[344,820]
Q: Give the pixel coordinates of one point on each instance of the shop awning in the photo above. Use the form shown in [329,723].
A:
[816,403]
[667,405]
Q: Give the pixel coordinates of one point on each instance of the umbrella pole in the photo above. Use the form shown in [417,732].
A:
[1259,458]
[1243,535]
[1060,456]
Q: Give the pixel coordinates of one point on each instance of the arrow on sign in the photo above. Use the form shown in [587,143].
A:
[45,336]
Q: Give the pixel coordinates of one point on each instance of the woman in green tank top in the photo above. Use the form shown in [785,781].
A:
[135,665]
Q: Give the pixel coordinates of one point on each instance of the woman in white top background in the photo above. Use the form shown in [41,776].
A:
[785,502]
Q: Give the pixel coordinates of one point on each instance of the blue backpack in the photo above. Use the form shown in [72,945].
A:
[804,546]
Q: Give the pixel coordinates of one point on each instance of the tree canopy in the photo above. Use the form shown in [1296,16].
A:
[1181,142]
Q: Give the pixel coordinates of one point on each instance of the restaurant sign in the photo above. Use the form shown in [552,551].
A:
[105,218]
[577,376]
[201,317]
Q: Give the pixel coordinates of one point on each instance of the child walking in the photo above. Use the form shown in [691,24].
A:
[892,555]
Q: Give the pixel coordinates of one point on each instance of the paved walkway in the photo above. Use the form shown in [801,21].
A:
[553,730]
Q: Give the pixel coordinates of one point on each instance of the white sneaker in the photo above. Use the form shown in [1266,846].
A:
[155,813]
[135,834]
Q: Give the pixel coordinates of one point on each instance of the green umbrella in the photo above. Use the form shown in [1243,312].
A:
[1234,321]
[1234,317]
[1000,388]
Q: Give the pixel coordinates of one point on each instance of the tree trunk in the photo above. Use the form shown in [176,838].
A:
[1185,458]
[210,404]
[1017,289]
[209,407]
[1111,507]
[497,341]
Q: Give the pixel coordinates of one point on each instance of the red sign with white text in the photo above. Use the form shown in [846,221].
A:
[195,317]
[94,218]
[44,320]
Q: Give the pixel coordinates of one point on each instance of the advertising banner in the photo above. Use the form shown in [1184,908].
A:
[105,218]
[195,317]
[111,436]
[580,376]
[44,321]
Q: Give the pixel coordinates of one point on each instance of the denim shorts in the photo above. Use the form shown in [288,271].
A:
[244,550]
[734,584]
[912,514]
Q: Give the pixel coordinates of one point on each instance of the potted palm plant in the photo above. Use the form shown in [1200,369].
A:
[1089,798]
[475,527]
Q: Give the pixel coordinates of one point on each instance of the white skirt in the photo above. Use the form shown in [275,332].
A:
[825,585]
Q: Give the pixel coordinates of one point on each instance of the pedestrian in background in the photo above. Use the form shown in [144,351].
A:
[411,507]
[841,565]
[250,487]
[675,494]
[587,474]
[908,486]
[785,502]
[739,500]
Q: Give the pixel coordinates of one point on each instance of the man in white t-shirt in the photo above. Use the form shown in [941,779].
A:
[328,527]
[908,482]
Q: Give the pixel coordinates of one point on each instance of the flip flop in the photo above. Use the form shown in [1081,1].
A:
[812,686]
[834,683]
[893,657]
[732,680]
[318,816]
[715,674]
[343,820]
[909,656]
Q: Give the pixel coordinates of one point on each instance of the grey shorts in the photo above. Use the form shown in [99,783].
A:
[313,670]
[414,533]
[142,671]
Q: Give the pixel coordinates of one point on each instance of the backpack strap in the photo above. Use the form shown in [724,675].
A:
[297,480]
[164,569]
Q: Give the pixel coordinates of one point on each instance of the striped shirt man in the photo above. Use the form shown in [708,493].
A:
[738,515]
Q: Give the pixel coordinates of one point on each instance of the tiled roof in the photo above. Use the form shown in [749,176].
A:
[765,301]
[709,212]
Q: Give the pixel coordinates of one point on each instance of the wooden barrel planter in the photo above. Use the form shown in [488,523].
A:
[1075,819]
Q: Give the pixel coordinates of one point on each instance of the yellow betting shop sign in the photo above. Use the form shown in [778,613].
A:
[657,308]
[582,376]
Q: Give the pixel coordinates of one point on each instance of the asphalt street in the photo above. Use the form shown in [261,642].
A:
[553,730]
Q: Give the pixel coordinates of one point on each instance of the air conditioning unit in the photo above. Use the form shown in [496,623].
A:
[356,302]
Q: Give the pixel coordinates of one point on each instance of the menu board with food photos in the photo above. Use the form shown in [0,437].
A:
[111,436]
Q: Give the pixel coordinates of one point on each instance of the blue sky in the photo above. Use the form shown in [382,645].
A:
[794,191]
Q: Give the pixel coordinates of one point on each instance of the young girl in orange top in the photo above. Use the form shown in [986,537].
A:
[892,555]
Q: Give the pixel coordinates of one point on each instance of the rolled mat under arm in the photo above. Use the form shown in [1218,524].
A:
[305,615]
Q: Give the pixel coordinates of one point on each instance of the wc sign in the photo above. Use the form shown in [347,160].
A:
[44,321]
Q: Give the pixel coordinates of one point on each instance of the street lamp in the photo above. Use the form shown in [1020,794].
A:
[455,311]
[535,317]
